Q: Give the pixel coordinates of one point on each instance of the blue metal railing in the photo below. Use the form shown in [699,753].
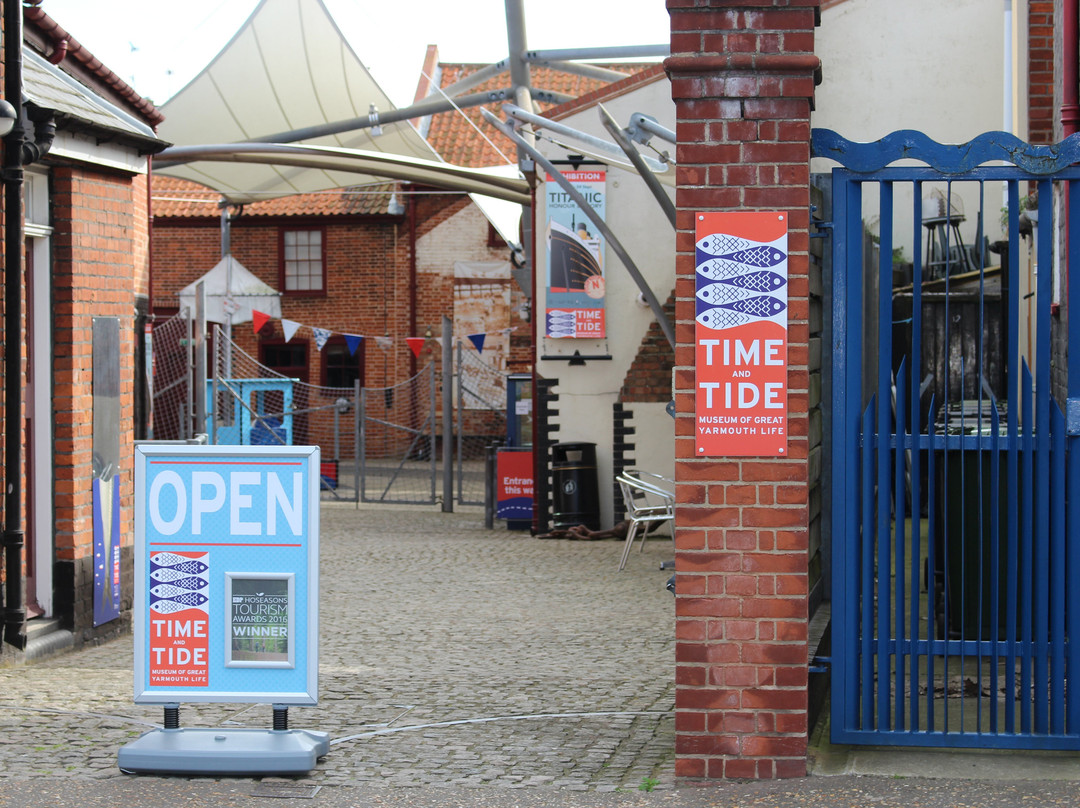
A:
[955,467]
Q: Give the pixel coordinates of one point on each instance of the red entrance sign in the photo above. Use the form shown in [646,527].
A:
[514,471]
[741,333]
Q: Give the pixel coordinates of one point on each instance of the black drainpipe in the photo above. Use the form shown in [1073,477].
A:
[15,585]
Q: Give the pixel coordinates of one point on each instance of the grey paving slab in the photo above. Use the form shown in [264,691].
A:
[475,668]
[450,655]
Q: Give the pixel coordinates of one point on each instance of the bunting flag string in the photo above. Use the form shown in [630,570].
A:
[354,341]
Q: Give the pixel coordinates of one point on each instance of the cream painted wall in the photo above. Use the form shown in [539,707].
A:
[587,393]
[933,66]
[930,65]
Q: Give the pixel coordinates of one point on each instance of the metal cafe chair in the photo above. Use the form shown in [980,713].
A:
[647,504]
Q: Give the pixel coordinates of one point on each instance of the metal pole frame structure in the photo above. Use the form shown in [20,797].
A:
[646,291]
[447,415]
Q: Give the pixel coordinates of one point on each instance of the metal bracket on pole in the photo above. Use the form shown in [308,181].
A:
[599,223]
[639,163]
[591,141]
[642,127]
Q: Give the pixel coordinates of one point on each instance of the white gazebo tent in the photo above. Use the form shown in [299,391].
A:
[232,292]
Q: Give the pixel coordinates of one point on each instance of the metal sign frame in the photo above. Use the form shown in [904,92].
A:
[206,516]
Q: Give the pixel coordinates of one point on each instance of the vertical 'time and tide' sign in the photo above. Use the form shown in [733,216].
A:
[741,333]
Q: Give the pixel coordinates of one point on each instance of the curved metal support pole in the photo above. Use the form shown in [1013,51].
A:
[382,164]
[600,224]
[639,163]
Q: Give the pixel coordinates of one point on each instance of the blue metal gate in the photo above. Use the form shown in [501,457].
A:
[956,539]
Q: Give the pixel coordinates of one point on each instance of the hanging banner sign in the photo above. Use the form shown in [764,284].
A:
[741,333]
[575,259]
[226,573]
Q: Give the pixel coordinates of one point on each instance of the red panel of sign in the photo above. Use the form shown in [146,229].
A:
[514,471]
[741,333]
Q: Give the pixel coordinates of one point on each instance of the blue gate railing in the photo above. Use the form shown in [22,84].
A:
[955,457]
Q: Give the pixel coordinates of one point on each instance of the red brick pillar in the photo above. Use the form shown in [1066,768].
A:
[1041,102]
[743,76]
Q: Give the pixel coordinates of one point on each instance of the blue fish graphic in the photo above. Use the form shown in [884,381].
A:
[761,256]
[723,245]
[185,599]
[761,306]
[759,281]
[717,293]
[720,243]
[183,566]
[175,592]
[165,606]
[716,270]
[720,319]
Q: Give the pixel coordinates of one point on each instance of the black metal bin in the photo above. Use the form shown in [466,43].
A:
[574,485]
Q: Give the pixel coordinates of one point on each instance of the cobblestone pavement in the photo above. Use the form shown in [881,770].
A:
[449,655]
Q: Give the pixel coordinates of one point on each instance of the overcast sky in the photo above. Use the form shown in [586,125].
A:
[158,46]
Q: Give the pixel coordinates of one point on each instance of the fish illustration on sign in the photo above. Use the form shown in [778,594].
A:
[184,601]
[744,251]
[561,323]
[191,582]
[177,562]
[718,319]
[167,606]
[171,591]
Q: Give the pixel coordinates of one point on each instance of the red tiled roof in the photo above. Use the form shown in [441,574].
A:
[175,198]
[603,93]
[455,135]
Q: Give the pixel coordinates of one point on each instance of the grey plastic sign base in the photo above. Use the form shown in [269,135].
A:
[211,751]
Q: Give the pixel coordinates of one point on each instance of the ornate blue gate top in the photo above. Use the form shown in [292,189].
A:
[947,158]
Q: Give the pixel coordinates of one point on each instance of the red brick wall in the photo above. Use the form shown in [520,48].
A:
[1041,71]
[369,287]
[367,273]
[649,376]
[367,265]
[743,76]
[97,243]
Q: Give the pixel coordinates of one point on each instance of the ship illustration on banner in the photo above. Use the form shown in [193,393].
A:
[574,261]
